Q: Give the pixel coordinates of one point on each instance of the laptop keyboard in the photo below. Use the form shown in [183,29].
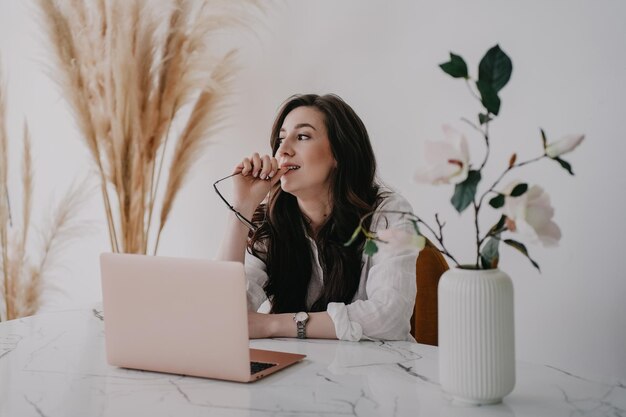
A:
[259,366]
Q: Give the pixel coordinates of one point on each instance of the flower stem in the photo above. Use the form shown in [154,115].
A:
[492,189]
[466,120]
[439,236]
[478,240]
[529,161]
[478,205]
[506,171]
[469,87]
[486,136]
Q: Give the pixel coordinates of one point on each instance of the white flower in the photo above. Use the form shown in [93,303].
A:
[401,239]
[563,145]
[447,161]
[531,215]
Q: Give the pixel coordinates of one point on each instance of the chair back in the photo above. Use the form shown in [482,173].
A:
[429,267]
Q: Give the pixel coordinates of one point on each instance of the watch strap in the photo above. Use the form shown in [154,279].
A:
[301,324]
[301,329]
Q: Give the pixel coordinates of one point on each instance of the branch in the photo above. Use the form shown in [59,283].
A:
[510,168]
[486,136]
[440,225]
[466,120]
[493,233]
[472,91]
[439,237]
[478,242]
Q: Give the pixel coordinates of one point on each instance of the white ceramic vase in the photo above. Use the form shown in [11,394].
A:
[476,335]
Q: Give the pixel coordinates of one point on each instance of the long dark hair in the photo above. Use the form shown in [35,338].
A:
[281,237]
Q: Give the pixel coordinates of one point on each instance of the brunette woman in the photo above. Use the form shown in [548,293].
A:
[303,203]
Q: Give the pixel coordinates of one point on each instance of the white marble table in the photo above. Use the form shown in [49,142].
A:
[54,365]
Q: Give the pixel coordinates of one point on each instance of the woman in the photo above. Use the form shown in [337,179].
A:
[306,200]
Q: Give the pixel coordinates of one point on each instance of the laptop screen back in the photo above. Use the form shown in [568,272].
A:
[183,316]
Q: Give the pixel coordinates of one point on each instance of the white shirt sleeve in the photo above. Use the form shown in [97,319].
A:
[256,277]
[390,286]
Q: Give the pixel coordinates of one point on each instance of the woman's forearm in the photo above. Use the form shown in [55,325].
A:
[233,245]
[319,326]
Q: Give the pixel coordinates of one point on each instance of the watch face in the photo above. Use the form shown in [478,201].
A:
[301,316]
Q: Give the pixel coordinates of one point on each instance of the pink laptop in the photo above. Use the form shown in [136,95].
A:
[181,316]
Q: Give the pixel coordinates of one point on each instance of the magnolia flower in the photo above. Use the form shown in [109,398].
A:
[401,239]
[447,161]
[531,215]
[563,145]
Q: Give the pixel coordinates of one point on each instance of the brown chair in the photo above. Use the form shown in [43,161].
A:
[428,269]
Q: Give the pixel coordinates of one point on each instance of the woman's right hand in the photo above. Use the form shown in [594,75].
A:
[257,176]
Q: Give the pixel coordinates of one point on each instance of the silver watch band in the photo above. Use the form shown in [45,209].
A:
[301,319]
[301,329]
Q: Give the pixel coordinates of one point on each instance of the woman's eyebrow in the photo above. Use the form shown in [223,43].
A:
[300,125]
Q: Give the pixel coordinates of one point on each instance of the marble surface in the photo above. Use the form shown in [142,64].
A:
[54,365]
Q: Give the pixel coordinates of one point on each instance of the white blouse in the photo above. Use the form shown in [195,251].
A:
[383,304]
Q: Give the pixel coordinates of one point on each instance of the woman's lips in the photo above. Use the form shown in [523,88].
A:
[291,168]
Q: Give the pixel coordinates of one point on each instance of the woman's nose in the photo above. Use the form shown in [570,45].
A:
[285,148]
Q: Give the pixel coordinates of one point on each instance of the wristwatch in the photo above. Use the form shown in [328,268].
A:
[301,318]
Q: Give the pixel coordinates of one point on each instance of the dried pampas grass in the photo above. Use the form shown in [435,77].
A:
[127,69]
[4,202]
[22,277]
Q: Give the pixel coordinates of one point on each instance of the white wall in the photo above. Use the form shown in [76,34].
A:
[569,62]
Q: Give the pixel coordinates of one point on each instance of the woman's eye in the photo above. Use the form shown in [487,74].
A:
[303,137]
[280,140]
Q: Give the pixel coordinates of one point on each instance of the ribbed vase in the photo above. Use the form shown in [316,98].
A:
[476,335]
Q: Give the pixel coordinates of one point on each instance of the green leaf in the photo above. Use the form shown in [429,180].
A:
[495,68]
[544,139]
[355,234]
[370,247]
[566,165]
[416,227]
[519,189]
[456,67]
[497,201]
[464,192]
[496,227]
[489,256]
[520,247]
[488,96]
[484,118]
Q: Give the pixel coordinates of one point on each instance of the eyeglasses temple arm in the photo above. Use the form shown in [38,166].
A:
[240,216]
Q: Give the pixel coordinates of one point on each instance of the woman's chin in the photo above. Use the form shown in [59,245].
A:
[287,186]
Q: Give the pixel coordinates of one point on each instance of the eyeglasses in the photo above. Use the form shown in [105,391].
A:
[239,216]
